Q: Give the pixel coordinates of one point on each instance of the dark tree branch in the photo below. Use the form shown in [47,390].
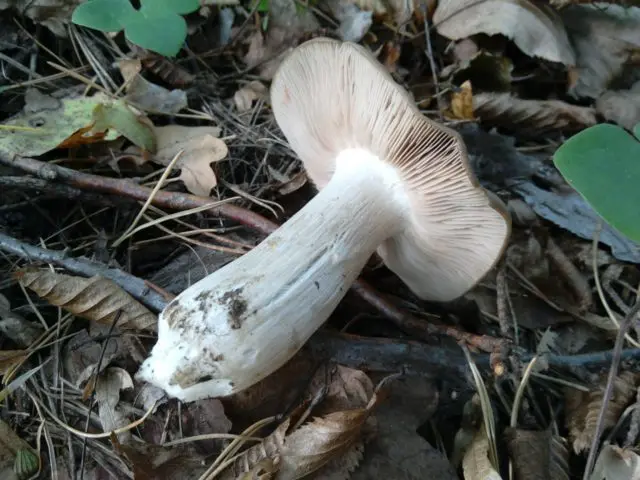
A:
[137,288]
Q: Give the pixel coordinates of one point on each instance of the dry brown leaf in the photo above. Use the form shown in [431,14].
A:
[200,148]
[108,386]
[16,327]
[82,354]
[531,117]
[96,299]
[147,95]
[398,451]
[267,397]
[53,14]
[203,417]
[244,97]
[348,389]
[295,183]
[535,29]
[287,25]
[583,408]
[485,70]
[615,463]
[476,464]
[605,39]
[172,74]
[9,358]
[621,106]
[313,445]
[538,455]
[462,102]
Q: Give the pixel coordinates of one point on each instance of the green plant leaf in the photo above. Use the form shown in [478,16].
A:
[118,116]
[603,164]
[103,15]
[182,7]
[160,31]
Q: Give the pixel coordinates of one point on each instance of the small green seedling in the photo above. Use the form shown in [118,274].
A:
[157,25]
[603,164]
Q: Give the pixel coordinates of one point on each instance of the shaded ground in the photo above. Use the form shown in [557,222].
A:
[553,298]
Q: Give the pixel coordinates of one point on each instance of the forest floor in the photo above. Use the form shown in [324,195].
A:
[128,175]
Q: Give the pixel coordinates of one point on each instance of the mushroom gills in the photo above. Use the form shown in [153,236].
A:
[244,321]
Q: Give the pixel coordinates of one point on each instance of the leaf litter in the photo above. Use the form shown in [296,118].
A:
[515,78]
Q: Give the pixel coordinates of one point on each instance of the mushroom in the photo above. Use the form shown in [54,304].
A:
[389,179]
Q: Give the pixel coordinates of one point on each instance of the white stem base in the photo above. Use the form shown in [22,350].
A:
[244,321]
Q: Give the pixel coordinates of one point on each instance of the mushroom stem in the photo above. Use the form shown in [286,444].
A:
[245,320]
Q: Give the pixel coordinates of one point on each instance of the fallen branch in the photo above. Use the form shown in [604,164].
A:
[417,358]
[183,201]
[136,287]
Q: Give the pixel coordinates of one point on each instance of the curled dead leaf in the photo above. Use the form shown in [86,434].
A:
[301,450]
[583,408]
[531,117]
[536,29]
[96,299]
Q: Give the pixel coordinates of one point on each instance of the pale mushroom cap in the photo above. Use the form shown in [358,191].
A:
[328,96]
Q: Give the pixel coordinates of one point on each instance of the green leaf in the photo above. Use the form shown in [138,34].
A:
[103,15]
[603,164]
[162,32]
[118,116]
[182,7]
[261,6]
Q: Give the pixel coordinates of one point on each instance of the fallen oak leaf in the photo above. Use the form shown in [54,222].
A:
[96,299]
[200,148]
[304,450]
[535,29]
[531,117]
